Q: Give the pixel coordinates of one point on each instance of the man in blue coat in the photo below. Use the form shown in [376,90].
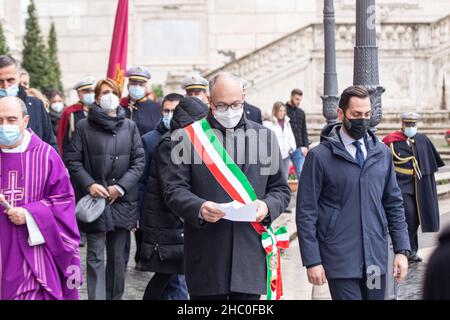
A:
[347,201]
[9,86]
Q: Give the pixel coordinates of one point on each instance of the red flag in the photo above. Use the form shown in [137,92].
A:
[119,45]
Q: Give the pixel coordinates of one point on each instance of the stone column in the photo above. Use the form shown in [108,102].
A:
[366,57]
[330,96]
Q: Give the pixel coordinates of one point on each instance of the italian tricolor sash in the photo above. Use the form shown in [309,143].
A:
[236,184]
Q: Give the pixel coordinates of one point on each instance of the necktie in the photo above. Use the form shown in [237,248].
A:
[359,154]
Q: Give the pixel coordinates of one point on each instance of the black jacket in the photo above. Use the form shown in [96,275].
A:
[108,151]
[40,121]
[298,123]
[162,248]
[145,113]
[252,113]
[437,278]
[226,256]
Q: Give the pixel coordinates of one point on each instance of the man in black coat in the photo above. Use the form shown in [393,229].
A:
[416,161]
[163,240]
[437,278]
[251,112]
[225,259]
[298,123]
[348,199]
[40,121]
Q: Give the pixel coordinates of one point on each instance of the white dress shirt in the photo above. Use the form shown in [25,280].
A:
[348,143]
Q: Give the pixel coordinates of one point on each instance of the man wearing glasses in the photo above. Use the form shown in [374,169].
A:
[224,259]
[10,87]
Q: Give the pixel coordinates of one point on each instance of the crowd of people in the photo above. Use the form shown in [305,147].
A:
[107,167]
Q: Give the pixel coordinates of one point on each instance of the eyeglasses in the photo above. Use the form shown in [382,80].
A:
[223,107]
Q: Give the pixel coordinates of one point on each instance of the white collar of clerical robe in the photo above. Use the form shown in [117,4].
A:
[23,146]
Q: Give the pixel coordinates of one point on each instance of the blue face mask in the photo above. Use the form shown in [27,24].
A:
[166,120]
[9,134]
[410,131]
[136,92]
[88,99]
[12,91]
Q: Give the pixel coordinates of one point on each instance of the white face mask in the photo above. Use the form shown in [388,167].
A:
[57,106]
[109,102]
[228,118]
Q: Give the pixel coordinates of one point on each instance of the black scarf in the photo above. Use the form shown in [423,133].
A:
[99,118]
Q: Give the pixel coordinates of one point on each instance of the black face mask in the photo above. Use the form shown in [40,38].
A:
[357,128]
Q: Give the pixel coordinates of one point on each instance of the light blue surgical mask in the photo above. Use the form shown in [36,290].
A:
[166,120]
[12,91]
[9,134]
[88,99]
[136,92]
[410,131]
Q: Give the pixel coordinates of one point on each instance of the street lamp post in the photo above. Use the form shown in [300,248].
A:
[330,96]
[366,73]
[365,70]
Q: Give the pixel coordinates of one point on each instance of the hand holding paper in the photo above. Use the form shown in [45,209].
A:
[236,211]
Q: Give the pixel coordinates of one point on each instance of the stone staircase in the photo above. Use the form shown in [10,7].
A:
[296,59]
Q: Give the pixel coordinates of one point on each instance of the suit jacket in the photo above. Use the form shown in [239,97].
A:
[226,256]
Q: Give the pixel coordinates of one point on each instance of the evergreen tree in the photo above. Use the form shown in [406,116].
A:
[34,55]
[3,45]
[55,70]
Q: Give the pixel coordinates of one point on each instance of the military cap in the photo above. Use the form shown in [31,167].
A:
[410,117]
[194,82]
[85,83]
[138,73]
[245,84]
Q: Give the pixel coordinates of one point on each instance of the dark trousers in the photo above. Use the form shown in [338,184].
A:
[156,286]
[356,289]
[106,283]
[412,219]
[231,296]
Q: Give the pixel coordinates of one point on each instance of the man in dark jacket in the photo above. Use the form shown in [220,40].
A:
[138,107]
[251,112]
[9,86]
[348,198]
[298,123]
[416,160]
[224,259]
[163,230]
[437,278]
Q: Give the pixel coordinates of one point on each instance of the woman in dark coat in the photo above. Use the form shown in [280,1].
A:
[106,159]
[162,248]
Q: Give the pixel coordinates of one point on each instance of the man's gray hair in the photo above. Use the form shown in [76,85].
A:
[216,77]
[23,72]
[20,102]
[6,61]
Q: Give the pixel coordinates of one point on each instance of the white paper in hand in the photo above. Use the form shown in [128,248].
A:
[236,211]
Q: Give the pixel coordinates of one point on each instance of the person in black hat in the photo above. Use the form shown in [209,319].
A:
[416,160]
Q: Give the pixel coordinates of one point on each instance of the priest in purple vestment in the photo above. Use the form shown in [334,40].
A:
[39,239]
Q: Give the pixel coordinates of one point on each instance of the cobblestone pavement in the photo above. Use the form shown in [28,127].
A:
[296,286]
